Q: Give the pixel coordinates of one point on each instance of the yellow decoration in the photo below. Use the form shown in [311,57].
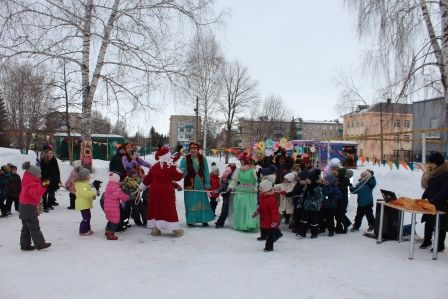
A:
[262,146]
[283,142]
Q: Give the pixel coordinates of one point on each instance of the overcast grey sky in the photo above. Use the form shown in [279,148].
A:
[294,48]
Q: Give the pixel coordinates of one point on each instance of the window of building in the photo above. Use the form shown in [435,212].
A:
[397,138]
[396,124]
[407,124]
[407,138]
[434,125]
[181,129]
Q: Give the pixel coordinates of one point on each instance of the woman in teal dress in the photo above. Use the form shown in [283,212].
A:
[196,177]
[244,202]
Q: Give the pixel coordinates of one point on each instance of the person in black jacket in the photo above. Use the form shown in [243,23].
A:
[435,183]
[343,181]
[116,164]
[15,186]
[50,171]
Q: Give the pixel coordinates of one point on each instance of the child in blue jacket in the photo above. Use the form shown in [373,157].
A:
[364,189]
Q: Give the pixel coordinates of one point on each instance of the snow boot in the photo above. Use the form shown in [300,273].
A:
[43,246]
[27,248]
[155,231]
[178,233]
[111,236]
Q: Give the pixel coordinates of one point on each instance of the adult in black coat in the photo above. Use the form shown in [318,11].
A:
[343,181]
[435,183]
[116,164]
[50,171]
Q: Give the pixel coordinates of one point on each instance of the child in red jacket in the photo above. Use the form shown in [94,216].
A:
[268,211]
[214,187]
[29,201]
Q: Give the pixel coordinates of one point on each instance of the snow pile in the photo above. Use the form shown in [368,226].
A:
[212,263]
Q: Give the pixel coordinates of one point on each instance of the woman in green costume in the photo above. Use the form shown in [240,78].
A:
[244,202]
[196,181]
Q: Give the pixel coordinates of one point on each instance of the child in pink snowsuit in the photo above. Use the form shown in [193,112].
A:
[112,197]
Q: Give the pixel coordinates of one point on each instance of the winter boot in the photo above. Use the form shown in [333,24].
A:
[43,246]
[371,228]
[426,244]
[111,236]
[155,231]
[178,233]
[27,248]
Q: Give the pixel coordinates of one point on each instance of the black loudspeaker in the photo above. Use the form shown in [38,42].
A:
[391,222]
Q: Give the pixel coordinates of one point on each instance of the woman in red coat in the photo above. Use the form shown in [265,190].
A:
[162,213]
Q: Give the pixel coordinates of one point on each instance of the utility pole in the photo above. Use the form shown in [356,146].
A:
[381,130]
[197,119]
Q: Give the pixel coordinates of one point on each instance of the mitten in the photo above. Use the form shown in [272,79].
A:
[274,224]
[45,183]
[283,192]
[254,214]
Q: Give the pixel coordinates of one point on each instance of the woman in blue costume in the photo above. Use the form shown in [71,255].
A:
[244,182]
[196,178]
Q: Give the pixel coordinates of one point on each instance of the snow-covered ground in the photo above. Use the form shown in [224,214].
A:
[212,263]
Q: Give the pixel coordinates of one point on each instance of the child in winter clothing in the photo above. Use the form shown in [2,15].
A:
[112,197]
[70,185]
[84,199]
[313,197]
[214,187]
[5,173]
[269,217]
[286,207]
[225,179]
[332,195]
[15,186]
[364,190]
[29,201]
[297,198]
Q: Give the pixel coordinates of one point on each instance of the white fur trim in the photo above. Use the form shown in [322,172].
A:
[164,226]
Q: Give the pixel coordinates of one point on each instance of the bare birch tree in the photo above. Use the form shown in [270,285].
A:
[350,96]
[128,46]
[205,76]
[241,96]
[410,45]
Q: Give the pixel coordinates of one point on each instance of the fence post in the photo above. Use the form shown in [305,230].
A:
[423,148]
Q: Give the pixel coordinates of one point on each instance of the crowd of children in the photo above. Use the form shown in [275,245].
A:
[273,188]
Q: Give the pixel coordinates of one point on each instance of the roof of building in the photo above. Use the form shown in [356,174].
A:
[382,107]
[60,134]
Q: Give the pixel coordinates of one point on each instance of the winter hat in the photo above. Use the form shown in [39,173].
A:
[436,158]
[330,179]
[365,175]
[335,163]
[291,177]
[77,169]
[33,169]
[268,170]
[303,174]
[306,160]
[163,154]
[265,186]
[348,173]
[214,169]
[314,175]
[114,177]
[83,173]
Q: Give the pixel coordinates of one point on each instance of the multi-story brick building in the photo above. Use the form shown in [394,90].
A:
[255,130]
[376,128]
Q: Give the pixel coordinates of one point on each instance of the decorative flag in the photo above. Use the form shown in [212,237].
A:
[390,163]
[404,164]
[397,164]
[383,162]
[411,165]
[368,159]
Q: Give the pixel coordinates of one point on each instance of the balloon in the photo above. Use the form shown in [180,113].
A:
[312,149]
[262,146]
[289,146]
[269,143]
[283,142]
[299,150]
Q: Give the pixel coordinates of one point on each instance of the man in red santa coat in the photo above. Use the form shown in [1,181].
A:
[162,214]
